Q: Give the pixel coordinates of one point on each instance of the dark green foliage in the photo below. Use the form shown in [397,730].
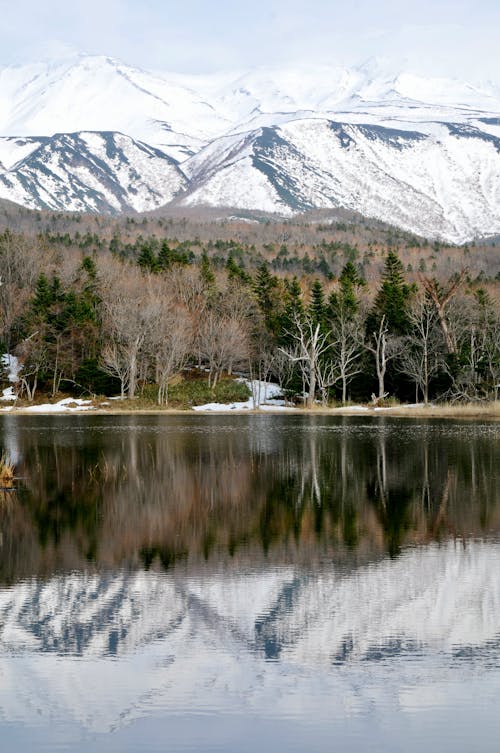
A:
[64,325]
[317,305]
[168,256]
[235,272]
[42,298]
[147,258]
[293,310]
[206,272]
[89,267]
[344,300]
[269,298]
[393,297]
[90,379]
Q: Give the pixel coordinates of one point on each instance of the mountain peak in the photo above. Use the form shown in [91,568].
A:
[275,138]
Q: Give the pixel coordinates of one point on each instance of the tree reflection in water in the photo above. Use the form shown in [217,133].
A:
[152,491]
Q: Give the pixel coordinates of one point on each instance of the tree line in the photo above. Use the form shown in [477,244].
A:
[97,324]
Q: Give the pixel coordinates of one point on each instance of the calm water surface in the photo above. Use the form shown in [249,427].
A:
[250,583]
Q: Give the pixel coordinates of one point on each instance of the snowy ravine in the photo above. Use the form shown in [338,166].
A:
[423,154]
[159,640]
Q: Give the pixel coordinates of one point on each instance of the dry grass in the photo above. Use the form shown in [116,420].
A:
[441,410]
[6,471]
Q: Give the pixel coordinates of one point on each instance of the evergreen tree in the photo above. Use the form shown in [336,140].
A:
[164,256]
[147,258]
[235,272]
[42,298]
[267,292]
[168,256]
[393,297]
[344,300]
[293,311]
[206,272]
[89,267]
[317,305]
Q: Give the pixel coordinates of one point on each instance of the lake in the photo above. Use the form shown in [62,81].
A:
[250,583]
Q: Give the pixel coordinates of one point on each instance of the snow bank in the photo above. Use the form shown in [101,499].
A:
[8,394]
[11,363]
[67,405]
[264,396]
[398,407]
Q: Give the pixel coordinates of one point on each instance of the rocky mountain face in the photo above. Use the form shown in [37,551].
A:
[92,134]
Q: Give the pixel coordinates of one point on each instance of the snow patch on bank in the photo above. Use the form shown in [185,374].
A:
[264,396]
[12,365]
[67,405]
[8,394]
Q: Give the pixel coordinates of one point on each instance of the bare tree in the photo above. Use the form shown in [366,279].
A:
[347,349]
[441,297]
[115,361]
[32,356]
[283,367]
[384,347]
[223,342]
[309,350]
[20,263]
[128,315]
[420,357]
[170,339]
[263,363]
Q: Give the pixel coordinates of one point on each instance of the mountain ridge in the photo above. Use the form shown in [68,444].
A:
[423,154]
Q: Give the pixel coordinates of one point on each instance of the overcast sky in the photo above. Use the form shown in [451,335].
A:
[442,36]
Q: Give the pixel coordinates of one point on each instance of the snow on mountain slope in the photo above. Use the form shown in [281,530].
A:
[15,149]
[96,172]
[446,184]
[324,90]
[275,139]
[173,111]
[94,93]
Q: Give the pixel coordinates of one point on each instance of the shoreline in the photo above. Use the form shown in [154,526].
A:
[490,411]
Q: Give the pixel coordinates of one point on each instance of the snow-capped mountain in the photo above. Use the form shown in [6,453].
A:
[444,184]
[93,134]
[88,172]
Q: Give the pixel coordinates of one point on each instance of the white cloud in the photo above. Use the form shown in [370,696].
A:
[442,36]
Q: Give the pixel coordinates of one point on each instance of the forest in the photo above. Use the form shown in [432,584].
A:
[170,320]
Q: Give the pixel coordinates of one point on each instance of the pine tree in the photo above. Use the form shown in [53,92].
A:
[293,311]
[317,305]
[147,259]
[43,295]
[206,272]
[164,256]
[235,272]
[88,266]
[393,297]
[345,300]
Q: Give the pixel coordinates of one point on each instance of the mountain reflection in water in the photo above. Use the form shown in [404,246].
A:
[326,572]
